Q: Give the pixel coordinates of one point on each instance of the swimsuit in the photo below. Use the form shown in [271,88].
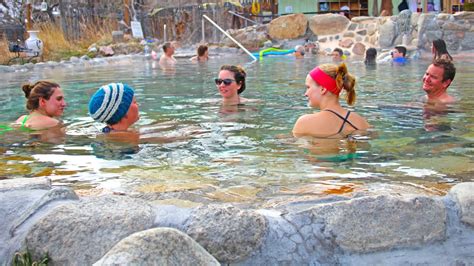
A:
[24,121]
[344,119]
[106,129]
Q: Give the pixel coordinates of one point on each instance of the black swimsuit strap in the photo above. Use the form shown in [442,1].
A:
[344,119]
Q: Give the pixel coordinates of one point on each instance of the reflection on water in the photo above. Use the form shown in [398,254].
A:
[193,149]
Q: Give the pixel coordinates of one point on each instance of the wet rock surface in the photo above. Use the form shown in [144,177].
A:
[82,232]
[110,230]
[157,246]
[228,233]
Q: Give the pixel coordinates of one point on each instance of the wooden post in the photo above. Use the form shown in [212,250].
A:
[126,12]
[29,21]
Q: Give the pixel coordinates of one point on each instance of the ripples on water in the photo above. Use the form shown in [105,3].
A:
[245,154]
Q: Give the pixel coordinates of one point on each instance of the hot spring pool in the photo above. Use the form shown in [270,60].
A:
[247,154]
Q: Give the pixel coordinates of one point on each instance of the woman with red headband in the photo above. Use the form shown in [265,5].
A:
[323,86]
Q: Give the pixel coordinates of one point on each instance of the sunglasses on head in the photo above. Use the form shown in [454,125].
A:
[226,82]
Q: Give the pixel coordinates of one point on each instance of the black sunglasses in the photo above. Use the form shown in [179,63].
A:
[226,82]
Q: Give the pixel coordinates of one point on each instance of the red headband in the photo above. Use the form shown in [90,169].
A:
[324,80]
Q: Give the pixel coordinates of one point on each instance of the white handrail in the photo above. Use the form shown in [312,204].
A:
[230,37]
[240,16]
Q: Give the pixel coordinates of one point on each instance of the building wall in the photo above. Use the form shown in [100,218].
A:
[296,6]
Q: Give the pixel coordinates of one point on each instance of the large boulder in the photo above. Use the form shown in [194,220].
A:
[387,33]
[228,233]
[288,27]
[328,24]
[81,233]
[158,246]
[464,196]
[377,223]
[428,29]
[24,201]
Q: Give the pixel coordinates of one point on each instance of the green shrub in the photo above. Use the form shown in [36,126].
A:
[25,259]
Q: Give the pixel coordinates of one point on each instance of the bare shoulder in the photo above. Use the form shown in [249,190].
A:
[42,122]
[306,124]
[360,121]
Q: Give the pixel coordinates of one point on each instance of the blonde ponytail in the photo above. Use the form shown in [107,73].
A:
[346,81]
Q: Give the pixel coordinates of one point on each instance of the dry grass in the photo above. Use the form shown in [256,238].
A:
[4,52]
[97,33]
[57,46]
[54,41]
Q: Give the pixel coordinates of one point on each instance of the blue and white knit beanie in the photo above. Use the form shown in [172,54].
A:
[111,102]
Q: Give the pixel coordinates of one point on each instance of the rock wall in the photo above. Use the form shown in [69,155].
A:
[112,230]
[413,30]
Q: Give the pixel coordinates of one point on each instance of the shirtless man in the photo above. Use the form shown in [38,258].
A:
[167,59]
[436,81]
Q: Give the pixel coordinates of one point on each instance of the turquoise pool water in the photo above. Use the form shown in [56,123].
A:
[245,154]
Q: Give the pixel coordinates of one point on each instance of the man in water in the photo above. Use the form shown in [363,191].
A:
[167,59]
[436,81]
[399,54]
[299,51]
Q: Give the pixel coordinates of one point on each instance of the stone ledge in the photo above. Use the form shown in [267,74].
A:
[360,230]
[25,183]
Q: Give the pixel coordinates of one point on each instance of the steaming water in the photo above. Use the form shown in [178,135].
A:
[246,154]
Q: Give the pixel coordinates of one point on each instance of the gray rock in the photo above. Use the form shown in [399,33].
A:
[81,233]
[228,233]
[455,26]
[348,34]
[74,59]
[5,69]
[352,27]
[464,196]
[468,42]
[25,183]
[158,246]
[387,34]
[379,223]
[85,58]
[428,29]
[57,193]
[25,201]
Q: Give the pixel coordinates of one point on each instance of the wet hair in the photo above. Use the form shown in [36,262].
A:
[33,93]
[166,46]
[447,66]
[201,50]
[370,56]
[344,80]
[401,49]
[440,49]
[339,51]
[239,75]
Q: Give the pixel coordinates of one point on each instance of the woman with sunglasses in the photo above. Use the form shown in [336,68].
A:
[231,83]
[323,86]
